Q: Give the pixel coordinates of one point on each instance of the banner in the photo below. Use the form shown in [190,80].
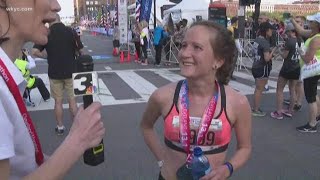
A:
[123,21]
[145,12]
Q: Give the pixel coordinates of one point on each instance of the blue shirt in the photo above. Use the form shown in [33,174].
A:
[158,35]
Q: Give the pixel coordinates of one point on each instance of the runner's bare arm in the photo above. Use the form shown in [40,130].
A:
[150,116]
[300,30]
[242,128]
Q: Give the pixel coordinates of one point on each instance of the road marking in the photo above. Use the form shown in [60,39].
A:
[140,85]
[108,68]
[85,46]
[169,75]
[89,50]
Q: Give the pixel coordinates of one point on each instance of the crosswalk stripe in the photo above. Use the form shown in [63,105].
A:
[143,87]
[169,75]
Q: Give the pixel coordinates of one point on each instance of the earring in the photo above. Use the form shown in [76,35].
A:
[215,67]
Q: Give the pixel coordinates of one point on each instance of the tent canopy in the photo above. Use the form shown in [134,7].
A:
[159,3]
[189,9]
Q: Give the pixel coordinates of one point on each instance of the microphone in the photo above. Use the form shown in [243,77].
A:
[85,84]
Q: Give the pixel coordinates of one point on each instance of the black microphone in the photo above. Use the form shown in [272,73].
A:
[93,156]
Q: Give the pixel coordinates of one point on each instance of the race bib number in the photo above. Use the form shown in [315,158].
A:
[215,126]
[85,83]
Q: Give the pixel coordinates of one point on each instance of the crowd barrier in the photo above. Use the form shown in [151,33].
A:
[99,30]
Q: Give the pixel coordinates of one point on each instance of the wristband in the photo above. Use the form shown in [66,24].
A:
[230,168]
[160,164]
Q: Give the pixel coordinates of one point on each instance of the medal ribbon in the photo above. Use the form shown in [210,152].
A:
[184,116]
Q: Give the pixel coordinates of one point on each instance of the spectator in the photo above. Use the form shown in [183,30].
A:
[25,64]
[61,48]
[158,41]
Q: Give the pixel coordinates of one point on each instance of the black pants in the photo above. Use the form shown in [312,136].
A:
[41,87]
[167,46]
[158,53]
[138,48]
[145,47]
[310,88]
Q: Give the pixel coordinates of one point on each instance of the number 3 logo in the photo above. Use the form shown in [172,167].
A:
[81,82]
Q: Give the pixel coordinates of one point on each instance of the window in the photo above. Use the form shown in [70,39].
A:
[87,2]
[96,2]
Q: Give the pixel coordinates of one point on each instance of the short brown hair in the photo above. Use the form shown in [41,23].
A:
[223,47]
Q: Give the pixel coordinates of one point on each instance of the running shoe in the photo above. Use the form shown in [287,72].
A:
[307,128]
[276,115]
[286,101]
[297,107]
[287,113]
[258,113]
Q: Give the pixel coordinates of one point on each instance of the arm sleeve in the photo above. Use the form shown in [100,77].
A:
[265,46]
[31,63]
[6,135]
[77,38]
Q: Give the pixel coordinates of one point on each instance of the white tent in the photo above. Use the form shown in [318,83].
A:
[189,9]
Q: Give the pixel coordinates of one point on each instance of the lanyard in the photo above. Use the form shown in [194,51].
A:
[23,110]
[184,117]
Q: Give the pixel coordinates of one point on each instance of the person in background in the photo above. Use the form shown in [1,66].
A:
[289,72]
[205,60]
[21,156]
[62,49]
[233,28]
[159,36]
[136,41]
[298,22]
[309,53]
[116,40]
[25,64]
[262,65]
[144,41]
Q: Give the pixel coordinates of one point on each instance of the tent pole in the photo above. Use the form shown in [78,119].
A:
[154,15]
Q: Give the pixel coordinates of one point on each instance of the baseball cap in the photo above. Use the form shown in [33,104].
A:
[289,27]
[315,17]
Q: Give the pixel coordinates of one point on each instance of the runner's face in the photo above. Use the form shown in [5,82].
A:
[28,18]
[196,57]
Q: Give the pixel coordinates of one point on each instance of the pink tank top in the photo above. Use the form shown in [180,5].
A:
[217,138]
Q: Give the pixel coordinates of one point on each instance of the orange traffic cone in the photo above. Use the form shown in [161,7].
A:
[114,52]
[121,57]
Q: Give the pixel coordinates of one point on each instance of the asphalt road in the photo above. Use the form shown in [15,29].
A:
[279,151]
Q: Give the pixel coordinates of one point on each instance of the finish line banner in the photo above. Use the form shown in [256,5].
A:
[145,12]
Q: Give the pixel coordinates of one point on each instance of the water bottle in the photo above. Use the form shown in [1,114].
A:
[200,165]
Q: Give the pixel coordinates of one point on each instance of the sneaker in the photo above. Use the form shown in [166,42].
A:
[287,113]
[276,115]
[266,89]
[286,101]
[144,64]
[59,131]
[29,103]
[297,107]
[318,119]
[307,128]
[258,113]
